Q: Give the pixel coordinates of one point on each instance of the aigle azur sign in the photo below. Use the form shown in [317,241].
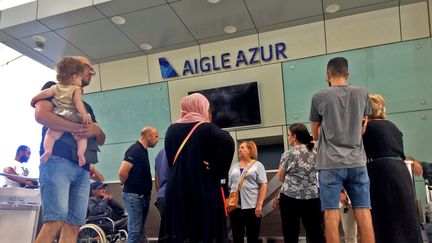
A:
[224,61]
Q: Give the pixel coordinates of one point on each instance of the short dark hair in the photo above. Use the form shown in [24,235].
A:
[337,66]
[21,148]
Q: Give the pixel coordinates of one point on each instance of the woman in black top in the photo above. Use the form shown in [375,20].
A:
[195,210]
[394,213]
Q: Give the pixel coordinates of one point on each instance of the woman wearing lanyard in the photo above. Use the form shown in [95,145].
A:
[252,193]
[394,213]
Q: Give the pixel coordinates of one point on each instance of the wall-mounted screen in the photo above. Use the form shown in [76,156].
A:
[234,105]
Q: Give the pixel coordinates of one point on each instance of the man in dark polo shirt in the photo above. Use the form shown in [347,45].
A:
[135,175]
[64,184]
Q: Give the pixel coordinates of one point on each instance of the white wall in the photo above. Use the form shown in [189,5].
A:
[21,80]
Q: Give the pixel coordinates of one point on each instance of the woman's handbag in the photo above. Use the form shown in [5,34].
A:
[231,203]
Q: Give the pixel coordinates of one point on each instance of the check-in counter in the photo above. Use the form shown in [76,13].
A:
[19,214]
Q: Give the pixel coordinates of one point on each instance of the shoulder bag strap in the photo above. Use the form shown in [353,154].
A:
[185,140]
[244,175]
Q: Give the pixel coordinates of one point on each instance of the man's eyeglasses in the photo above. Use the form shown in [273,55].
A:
[91,70]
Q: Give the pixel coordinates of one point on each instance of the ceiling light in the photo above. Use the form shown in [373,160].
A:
[146,46]
[230,29]
[118,20]
[332,8]
[39,42]
[39,38]
[39,48]
[213,1]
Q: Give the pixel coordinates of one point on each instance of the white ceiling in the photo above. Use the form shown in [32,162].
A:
[5,4]
[165,24]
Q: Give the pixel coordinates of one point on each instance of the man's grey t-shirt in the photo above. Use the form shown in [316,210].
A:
[340,110]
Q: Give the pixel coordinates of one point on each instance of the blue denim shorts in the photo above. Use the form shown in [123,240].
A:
[65,188]
[354,180]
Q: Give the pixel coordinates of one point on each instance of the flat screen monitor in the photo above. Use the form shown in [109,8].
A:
[234,105]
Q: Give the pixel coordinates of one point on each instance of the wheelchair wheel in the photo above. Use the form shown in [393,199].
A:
[91,233]
[123,236]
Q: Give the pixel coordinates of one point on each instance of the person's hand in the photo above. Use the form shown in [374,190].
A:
[86,119]
[91,169]
[207,165]
[315,145]
[343,198]
[88,130]
[78,128]
[107,197]
[276,202]
[258,211]
[29,183]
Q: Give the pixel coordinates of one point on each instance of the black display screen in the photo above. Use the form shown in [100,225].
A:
[235,105]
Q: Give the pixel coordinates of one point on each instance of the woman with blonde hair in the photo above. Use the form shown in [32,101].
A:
[394,213]
[252,193]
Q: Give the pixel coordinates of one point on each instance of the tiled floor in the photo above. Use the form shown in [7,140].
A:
[302,239]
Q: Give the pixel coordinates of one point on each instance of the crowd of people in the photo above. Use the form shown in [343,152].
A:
[352,163]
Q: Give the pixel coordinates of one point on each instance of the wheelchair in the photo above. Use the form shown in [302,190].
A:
[101,229]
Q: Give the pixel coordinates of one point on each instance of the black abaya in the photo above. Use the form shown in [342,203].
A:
[195,210]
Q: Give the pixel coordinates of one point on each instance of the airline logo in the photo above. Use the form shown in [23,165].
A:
[167,70]
[226,60]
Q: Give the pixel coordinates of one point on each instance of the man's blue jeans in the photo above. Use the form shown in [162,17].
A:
[137,207]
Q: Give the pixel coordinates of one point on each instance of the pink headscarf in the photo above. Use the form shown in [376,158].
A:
[194,108]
